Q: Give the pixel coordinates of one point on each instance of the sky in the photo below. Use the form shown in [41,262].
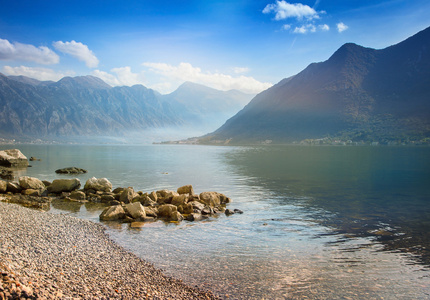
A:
[237,44]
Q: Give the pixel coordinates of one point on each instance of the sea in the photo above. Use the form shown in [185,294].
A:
[318,222]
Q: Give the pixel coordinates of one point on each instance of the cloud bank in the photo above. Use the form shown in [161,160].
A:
[123,76]
[26,52]
[79,51]
[186,72]
[42,74]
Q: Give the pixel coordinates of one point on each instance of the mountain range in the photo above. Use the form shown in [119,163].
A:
[86,106]
[358,95]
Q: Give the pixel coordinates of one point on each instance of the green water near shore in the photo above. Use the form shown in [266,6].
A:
[319,222]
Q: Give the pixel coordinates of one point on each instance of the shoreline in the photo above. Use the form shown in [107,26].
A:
[50,256]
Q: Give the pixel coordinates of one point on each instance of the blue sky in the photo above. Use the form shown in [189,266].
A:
[237,44]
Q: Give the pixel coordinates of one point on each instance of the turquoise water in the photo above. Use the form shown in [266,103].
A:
[318,222]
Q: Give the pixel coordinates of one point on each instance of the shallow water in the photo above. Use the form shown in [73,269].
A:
[318,222]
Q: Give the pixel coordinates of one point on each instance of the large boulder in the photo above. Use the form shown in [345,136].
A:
[98,184]
[27,182]
[14,187]
[13,158]
[64,185]
[112,213]
[127,195]
[167,210]
[135,210]
[214,199]
[179,200]
[3,186]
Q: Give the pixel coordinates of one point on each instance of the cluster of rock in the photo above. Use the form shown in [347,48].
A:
[125,204]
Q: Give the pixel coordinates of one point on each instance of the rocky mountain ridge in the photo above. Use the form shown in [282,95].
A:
[358,95]
[85,106]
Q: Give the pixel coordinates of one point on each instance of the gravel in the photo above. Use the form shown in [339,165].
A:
[50,256]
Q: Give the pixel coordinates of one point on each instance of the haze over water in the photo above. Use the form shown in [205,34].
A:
[318,222]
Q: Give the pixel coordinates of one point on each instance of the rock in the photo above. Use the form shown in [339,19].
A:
[31,183]
[195,217]
[153,196]
[13,187]
[176,217]
[107,198]
[187,208]
[151,211]
[35,159]
[112,213]
[165,196]
[127,195]
[179,200]
[64,185]
[207,210]
[229,212]
[3,186]
[98,184]
[118,190]
[71,170]
[238,211]
[31,192]
[77,195]
[46,183]
[214,199]
[136,210]
[13,158]
[186,189]
[197,206]
[166,210]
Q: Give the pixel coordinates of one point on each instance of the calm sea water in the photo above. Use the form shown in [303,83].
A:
[318,222]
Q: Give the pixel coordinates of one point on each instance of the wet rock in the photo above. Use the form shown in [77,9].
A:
[136,210]
[167,210]
[3,186]
[238,211]
[229,212]
[71,170]
[186,189]
[98,184]
[107,198]
[64,185]
[13,158]
[77,195]
[127,195]
[31,192]
[179,200]
[27,182]
[35,159]
[112,213]
[151,211]
[13,187]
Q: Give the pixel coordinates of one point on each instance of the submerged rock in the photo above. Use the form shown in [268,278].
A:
[71,170]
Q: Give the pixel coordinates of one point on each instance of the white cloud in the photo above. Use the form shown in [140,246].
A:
[341,27]
[186,72]
[324,27]
[78,50]
[239,70]
[286,27]
[123,76]
[41,74]
[26,52]
[305,29]
[284,10]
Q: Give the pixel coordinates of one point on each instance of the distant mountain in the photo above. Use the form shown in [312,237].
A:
[206,106]
[87,106]
[358,94]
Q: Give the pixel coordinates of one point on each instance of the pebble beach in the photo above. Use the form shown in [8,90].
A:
[51,256]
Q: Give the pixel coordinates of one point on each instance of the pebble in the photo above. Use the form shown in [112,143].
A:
[53,256]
